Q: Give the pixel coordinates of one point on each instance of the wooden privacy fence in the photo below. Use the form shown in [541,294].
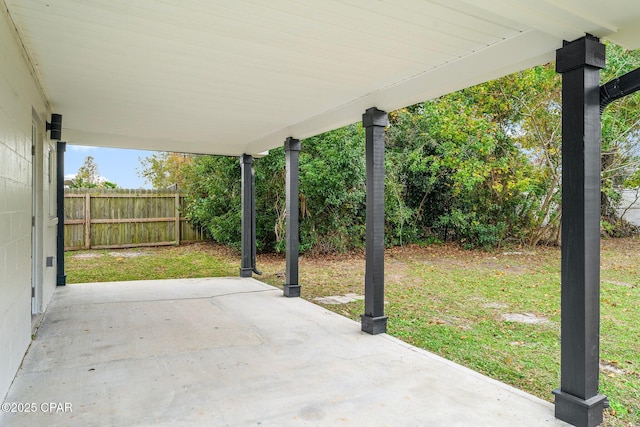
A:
[109,219]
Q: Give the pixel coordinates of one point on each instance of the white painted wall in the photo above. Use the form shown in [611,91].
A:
[21,99]
[630,206]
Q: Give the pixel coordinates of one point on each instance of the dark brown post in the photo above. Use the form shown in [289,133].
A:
[577,401]
[292,152]
[373,320]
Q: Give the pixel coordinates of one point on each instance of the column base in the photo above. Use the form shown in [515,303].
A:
[291,291]
[374,325]
[246,272]
[61,280]
[579,412]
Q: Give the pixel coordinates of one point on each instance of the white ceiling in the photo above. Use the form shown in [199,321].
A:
[239,76]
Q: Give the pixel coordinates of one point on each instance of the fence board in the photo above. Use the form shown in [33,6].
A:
[108,219]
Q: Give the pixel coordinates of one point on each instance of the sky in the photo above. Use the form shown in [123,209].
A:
[119,166]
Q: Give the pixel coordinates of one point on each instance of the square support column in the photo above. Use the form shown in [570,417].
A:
[61,278]
[292,154]
[248,222]
[577,401]
[373,320]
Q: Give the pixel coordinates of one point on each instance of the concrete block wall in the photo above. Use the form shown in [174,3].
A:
[21,102]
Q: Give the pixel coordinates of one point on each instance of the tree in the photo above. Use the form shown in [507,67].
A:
[332,192]
[87,173]
[534,116]
[163,170]
[89,177]
[463,177]
[620,141]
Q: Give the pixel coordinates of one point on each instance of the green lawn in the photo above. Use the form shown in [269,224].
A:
[167,262]
[495,312]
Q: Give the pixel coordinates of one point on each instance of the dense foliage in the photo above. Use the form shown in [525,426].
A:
[459,174]
[332,194]
[213,196]
[481,166]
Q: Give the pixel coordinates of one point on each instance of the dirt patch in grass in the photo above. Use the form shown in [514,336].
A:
[339,299]
[98,254]
[496,305]
[528,318]
[127,254]
[610,367]
[86,255]
[619,283]
[505,268]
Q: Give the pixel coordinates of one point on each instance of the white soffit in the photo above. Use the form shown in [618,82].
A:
[239,76]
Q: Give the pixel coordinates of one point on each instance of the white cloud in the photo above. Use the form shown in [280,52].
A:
[72,176]
[83,148]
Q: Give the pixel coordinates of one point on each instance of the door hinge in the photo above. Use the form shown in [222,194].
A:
[33,292]
[33,221]
[33,150]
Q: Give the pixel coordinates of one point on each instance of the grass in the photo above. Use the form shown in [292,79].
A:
[149,263]
[452,302]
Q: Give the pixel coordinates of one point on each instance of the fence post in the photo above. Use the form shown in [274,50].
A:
[87,221]
[177,234]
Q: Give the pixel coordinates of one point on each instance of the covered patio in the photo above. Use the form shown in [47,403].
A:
[234,352]
[239,78]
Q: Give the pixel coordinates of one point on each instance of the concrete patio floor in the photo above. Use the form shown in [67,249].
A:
[235,352]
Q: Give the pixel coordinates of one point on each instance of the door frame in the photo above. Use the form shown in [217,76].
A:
[37,143]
